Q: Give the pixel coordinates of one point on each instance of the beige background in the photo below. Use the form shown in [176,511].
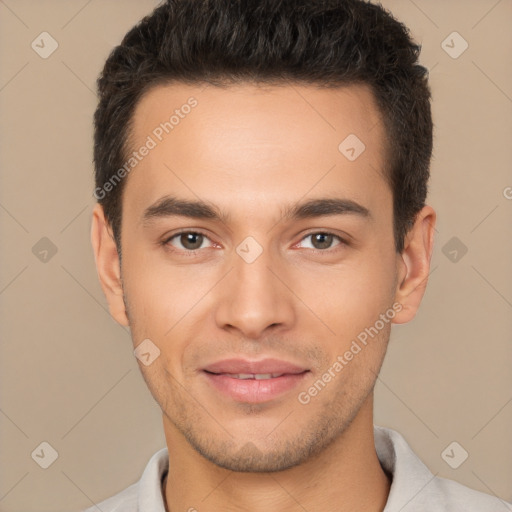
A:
[68,375]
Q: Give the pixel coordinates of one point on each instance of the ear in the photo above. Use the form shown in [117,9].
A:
[414,263]
[108,265]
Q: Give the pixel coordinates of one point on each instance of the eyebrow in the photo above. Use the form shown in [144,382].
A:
[169,206]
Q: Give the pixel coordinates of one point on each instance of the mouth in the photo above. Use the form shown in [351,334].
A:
[254,381]
[245,376]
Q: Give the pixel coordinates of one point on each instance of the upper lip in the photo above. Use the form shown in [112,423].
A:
[237,366]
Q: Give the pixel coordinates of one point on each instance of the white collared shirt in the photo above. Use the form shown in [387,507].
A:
[413,489]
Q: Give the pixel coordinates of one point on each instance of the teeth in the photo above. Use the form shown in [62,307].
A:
[261,376]
[257,376]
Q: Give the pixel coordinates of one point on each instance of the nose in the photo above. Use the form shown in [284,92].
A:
[255,297]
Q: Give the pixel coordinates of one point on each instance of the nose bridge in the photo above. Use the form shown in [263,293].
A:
[253,298]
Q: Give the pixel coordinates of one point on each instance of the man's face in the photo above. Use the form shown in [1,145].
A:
[258,284]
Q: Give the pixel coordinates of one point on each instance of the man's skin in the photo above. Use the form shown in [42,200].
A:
[250,152]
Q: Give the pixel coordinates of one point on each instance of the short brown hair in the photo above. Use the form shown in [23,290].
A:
[329,43]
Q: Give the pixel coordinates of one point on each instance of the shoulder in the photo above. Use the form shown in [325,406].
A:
[456,497]
[144,495]
[415,489]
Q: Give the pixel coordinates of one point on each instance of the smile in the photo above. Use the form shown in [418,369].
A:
[257,376]
[254,387]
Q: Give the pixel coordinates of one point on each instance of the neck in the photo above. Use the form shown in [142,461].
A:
[346,476]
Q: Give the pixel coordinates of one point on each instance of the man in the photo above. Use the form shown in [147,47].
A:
[289,143]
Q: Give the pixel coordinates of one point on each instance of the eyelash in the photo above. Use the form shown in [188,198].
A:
[194,252]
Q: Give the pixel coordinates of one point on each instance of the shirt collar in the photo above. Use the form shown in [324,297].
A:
[408,473]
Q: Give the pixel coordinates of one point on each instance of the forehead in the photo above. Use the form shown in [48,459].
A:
[256,107]
[257,143]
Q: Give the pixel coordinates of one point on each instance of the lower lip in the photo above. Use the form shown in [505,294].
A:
[255,390]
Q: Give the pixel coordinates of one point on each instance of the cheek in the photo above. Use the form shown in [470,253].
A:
[349,298]
[158,290]
[164,304]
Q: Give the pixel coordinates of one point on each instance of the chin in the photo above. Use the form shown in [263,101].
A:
[247,457]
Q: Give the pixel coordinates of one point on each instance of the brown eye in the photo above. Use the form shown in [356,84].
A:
[191,241]
[187,241]
[323,241]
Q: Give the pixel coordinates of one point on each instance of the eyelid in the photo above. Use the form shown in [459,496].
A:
[167,239]
[342,240]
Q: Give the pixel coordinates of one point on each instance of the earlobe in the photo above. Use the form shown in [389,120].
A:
[108,265]
[415,265]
